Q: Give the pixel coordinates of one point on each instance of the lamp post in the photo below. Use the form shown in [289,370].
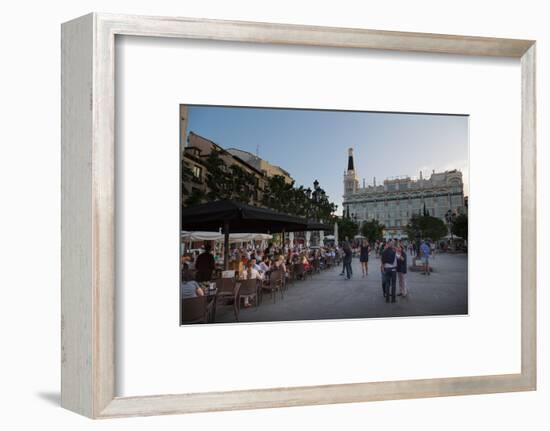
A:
[316,198]
[449,218]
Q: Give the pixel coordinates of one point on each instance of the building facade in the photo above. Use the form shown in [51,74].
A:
[194,155]
[394,201]
[261,164]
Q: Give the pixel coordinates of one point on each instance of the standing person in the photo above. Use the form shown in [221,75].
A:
[267,251]
[347,260]
[425,255]
[205,264]
[379,251]
[340,253]
[364,257]
[402,270]
[389,267]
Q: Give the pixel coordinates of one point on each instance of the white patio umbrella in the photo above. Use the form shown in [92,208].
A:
[336,232]
[218,236]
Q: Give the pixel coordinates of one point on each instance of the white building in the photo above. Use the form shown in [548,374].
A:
[397,199]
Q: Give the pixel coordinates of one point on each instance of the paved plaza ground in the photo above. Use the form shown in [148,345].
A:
[329,296]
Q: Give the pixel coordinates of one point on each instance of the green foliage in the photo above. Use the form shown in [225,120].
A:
[234,182]
[372,230]
[186,178]
[278,194]
[218,179]
[243,185]
[347,229]
[459,226]
[195,197]
[426,226]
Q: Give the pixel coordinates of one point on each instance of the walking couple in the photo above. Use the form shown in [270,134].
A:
[393,266]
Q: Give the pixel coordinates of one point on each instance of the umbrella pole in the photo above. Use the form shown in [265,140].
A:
[225,245]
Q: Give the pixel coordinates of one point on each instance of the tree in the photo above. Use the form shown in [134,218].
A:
[279,195]
[196,197]
[186,177]
[459,226]
[372,230]
[243,184]
[218,181]
[190,195]
[347,229]
[426,226]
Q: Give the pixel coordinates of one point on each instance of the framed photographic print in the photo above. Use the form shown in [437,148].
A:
[237,195]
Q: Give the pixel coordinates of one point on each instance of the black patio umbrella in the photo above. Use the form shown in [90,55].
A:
[236,217]
[313,225]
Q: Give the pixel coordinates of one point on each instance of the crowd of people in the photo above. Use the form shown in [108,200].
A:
[250,262]
[255,262]
[393,255]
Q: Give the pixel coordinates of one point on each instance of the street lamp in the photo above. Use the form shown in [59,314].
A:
[449,218]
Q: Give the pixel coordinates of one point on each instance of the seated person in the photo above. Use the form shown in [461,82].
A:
[307,266]
[264,264]
[189,288]
[187,259]
[255,265]
[279,264]
[251,272]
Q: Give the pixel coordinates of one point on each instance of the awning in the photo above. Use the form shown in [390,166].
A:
[240,217]
[218,236]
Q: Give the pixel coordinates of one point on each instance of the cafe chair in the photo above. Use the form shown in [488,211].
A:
[194,310]
[274,284]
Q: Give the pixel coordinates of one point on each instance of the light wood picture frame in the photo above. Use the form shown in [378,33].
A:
[88,214]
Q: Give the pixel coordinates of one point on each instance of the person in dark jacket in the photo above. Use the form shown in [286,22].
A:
[364,257]
[205,265]
[347,260]
[401,255]
[389,268]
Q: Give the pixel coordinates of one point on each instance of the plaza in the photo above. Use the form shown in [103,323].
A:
[327,295]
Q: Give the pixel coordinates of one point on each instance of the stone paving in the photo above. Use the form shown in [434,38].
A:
[329,296]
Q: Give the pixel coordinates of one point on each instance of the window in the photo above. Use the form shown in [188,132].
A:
[197,172]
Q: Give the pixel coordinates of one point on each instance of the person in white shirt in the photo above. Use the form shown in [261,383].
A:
[251,273]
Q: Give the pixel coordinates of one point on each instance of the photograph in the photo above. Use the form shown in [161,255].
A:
[298,214]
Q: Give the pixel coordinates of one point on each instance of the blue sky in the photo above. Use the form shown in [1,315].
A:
[314,144]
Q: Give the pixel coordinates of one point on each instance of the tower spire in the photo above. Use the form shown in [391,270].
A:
[350,160]
[351,182]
